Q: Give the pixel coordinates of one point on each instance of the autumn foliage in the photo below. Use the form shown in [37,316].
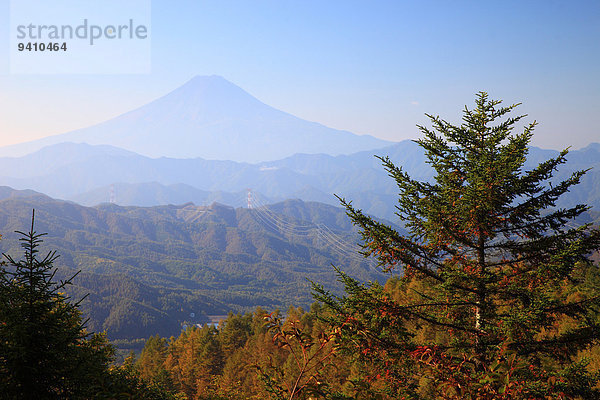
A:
[491,295]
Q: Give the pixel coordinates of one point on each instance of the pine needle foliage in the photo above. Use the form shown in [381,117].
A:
[45,352]
[490,303]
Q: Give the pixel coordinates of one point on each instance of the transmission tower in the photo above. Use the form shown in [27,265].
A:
[249,198]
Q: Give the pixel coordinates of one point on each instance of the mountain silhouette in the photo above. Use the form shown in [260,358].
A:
[212,118]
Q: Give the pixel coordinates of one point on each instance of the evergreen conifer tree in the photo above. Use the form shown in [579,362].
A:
[491,303]
[45,352]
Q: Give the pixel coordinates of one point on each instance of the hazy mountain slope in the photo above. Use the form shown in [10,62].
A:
[212,118]
[149,194]
[406,153]
[103,168]
[84,173]
[56,157]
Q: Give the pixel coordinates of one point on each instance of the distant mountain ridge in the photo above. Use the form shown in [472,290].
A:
[212,118]
[86,174]
[148,194]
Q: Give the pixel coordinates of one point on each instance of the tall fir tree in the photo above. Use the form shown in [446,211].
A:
[490,303]
[45,352]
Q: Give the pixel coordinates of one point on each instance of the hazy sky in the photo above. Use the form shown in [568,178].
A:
[366,66]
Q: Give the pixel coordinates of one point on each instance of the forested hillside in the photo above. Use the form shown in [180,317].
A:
[149,270]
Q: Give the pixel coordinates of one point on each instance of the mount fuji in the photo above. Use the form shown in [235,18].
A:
[211,118]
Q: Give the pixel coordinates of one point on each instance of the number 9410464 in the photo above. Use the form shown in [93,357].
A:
[35,46]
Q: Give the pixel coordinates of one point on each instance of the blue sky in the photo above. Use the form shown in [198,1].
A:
[366,66]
